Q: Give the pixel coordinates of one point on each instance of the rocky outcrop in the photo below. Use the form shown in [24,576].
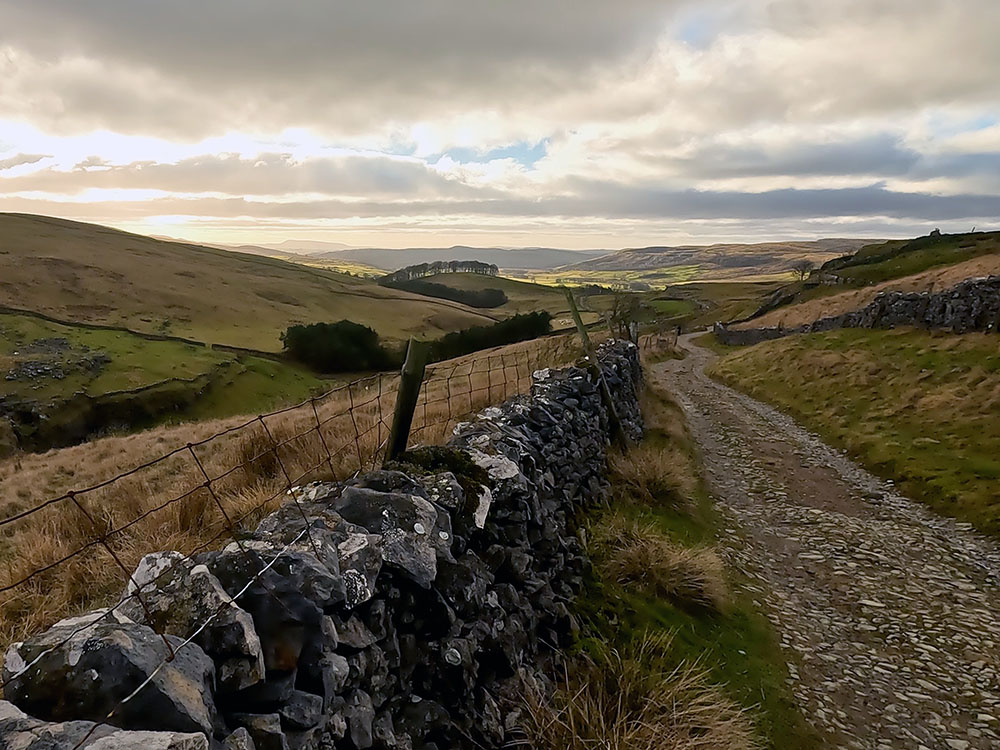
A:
[973,305]
[406,608]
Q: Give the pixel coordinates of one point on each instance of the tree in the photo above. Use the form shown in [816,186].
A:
[624,315]
[336,347]
[518,328]
[803,268]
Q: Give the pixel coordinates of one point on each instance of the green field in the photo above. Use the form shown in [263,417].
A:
[352,267]
[673,308]
[66,373]
[656,279]
[915,406]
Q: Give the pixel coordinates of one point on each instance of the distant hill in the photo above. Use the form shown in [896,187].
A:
[726,259]
[526,258]
[80,272]
[307,246]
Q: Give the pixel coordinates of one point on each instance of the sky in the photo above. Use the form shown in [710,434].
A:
[568,123]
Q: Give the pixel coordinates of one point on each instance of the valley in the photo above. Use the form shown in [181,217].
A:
[695,566]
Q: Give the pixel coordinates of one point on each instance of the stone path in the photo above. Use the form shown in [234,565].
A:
[889,616]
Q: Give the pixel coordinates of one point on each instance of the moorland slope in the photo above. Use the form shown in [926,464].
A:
[78,272]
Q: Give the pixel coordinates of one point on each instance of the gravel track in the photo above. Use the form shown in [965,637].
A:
[888,615]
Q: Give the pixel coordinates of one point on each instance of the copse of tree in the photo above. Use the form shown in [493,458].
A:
[440,266]
[482,298]
[509,331]
[337,347]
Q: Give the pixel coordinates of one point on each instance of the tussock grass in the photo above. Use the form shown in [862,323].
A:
[635,698]
[652,476]
[638,554]
[165,505]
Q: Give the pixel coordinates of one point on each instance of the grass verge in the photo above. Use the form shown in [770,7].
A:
[711,342]
[675,654]
[915,406]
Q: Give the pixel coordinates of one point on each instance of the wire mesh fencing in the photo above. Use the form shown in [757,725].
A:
[77,549]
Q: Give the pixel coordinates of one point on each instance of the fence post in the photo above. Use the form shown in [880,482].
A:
[410,378]
[617,433]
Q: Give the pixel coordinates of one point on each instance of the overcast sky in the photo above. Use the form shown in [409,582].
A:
[575,123]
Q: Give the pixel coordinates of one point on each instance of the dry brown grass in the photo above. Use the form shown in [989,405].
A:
[638,554]
[165,503]
[656,473]
[652,475]
[633,699]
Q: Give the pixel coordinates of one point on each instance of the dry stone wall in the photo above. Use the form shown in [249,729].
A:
[973,305]
[409,608]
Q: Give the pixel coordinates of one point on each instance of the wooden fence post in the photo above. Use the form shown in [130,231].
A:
[410,379]
[617,433]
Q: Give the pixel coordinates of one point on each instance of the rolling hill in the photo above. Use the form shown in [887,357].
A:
[538,258]
[725,260]
[75,272]
[522,297]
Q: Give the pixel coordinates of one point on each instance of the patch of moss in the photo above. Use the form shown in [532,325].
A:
[434,459]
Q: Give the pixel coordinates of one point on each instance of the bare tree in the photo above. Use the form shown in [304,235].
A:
[803,268]
[624,315]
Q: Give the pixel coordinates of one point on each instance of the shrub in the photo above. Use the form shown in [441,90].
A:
[336,347]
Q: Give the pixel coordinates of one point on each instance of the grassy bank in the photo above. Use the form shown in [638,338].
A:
[674,654]
[918,407]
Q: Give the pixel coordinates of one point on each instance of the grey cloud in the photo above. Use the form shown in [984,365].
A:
[19,159]
[192,68]
[264,175]
[316,60]
[879,154]
[591,200]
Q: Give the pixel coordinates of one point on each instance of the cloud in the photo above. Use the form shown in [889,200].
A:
[596,200]
[189,68]
[505,115]
[346,67]
[267,174]
[20,159]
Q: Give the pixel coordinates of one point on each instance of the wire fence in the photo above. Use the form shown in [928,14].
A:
[76,549]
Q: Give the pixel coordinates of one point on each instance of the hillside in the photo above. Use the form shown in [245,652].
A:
[522,296]
[926,264]
[83,272]
[896,259]
[539,258]
[723,260]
